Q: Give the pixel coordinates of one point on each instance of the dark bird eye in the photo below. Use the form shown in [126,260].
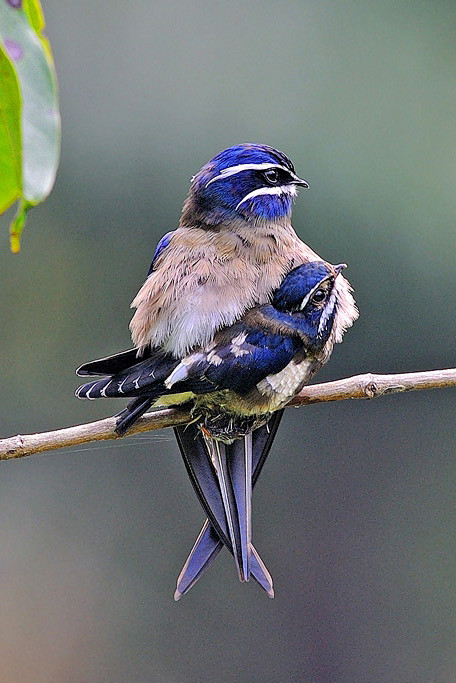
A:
[271,176]
[319,296]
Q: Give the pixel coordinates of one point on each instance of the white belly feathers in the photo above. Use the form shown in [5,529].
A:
[281,387]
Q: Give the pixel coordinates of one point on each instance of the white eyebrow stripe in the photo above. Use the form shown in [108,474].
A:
[233,170]
[305,301]
[284,189]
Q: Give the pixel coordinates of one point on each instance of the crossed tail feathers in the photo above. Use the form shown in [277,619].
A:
[222,474]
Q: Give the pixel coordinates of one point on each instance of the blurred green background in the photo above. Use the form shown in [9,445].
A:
[355,514]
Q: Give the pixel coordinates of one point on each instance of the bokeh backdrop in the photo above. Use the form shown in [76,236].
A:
[355,513]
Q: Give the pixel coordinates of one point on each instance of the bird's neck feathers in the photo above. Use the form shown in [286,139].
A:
[216,218]
[282,323]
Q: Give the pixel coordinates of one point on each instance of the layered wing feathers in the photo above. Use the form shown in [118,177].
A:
[237,363]
[113,364]
[145,378]
[238,360]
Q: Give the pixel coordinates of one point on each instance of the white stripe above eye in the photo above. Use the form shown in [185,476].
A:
[290,190]
[306,299]
[233,170]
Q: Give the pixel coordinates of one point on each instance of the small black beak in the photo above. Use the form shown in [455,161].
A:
[300,181]
[339,268]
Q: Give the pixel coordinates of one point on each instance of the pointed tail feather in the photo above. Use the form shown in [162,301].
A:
[261,574]
[200,468]
[206,548]
[133,411]
[234,473]
[208,543]
[238,463]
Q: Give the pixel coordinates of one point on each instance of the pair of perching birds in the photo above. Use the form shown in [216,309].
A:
[235,317]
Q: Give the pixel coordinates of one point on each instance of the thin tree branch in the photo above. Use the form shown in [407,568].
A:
[360,386]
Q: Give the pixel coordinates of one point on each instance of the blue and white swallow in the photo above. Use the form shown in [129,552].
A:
[238,384]
[232,249]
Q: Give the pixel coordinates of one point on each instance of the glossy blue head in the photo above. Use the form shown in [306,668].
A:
[308,294]
[246,181]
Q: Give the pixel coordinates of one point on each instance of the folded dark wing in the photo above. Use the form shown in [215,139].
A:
[238,362]
[145,378]
[113,364]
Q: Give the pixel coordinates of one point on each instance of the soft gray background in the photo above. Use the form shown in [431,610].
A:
[356,511]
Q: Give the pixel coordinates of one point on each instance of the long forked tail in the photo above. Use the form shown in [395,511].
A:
[199,461]
[233,463]
[215,532]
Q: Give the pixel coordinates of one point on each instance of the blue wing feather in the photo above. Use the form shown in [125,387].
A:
[161,246]
[240,369]
[238,362]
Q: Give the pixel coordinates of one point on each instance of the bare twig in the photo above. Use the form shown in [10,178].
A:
[371,386]
[360,386]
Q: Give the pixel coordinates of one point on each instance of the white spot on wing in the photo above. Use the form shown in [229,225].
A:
[236,345]
[182,371]
[239,340]
[178,375]
[214,358]
[103,391]
[120,387]
[91,398]
[238,352]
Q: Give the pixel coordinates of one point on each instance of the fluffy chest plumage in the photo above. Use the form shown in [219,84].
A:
[206,280]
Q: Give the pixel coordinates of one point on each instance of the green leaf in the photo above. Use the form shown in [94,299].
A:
[29,114]
[10,135]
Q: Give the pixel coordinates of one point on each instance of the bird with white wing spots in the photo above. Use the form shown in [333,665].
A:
[230,320]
